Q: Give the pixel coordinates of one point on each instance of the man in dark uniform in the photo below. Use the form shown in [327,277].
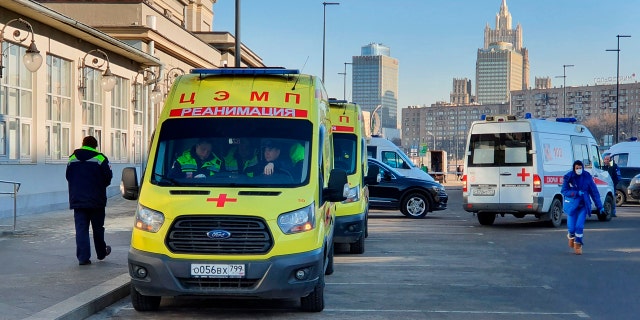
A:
[89,174]
[198,161]
[614,172]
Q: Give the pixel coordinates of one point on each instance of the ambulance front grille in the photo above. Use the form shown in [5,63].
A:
[204,284]
[233,235]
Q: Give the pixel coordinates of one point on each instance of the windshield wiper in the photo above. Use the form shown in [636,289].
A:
[163,179]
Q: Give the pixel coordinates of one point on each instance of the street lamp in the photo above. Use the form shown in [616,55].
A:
[618,80]
[324,25]
[564,88]
[172,74]
[108,79]
[32,58]
[434,139]
[344,75]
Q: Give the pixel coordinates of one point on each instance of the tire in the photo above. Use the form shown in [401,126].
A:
[144,303]
[621,198]
[314,302]
[358,246]
[329,270]
[608,209]
[415,205]
[366,225]
[486,219]
[555,213]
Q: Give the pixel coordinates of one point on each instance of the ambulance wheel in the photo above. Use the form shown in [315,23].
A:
[329,269]
[555,213]
[358,246]
[620,198]
[366,224]
[415,205]
[608,209]
[144,303]
[486,218]
[314,302]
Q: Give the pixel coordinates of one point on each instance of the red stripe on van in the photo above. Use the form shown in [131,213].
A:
[553,179]
[342,129]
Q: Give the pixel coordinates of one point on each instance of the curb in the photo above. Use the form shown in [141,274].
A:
[89,302]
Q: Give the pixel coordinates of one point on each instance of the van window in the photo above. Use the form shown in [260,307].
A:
[394,160]
[621,159]
[345,152]
[225,136]
[596,161]
[371,151]
[580,152]
[500,149]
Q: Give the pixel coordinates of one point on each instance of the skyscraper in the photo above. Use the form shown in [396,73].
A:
[375,83]
[502,64]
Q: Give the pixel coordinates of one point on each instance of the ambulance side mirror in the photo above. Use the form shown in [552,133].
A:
[129,188]
[338,188]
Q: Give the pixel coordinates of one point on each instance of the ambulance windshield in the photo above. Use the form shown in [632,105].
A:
[233,152]
[345,151]
[500,149]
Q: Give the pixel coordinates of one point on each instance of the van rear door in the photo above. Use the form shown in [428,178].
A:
[500,166]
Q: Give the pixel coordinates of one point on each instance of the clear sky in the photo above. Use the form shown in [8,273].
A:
[437,40]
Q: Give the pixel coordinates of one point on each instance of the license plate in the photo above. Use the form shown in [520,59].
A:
[199,270]
[484,192]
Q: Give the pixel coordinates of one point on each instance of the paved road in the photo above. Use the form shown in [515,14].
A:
[447,266]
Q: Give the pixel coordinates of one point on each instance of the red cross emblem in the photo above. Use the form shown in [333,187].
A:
[222,199]
[523,174]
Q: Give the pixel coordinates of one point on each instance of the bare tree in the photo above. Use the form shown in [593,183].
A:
[601,126]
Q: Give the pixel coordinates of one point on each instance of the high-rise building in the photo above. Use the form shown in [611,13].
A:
[375,83]
[461,93]
[502,64]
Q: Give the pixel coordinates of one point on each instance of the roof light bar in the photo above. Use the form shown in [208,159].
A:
[567,120]
[334,100]
[252,71]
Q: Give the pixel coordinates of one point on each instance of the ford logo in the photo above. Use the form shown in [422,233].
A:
[219,234]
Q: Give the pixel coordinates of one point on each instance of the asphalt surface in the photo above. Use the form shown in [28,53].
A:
[41,275]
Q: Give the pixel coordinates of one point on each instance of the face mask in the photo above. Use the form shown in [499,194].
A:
[578,171]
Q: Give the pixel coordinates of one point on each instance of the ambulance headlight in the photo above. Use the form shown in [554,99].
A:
[353,194]
[148,220]
[301,220]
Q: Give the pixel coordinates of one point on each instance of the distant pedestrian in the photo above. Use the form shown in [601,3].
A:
[458,172]
[614,172]
[89,174]
[578,189]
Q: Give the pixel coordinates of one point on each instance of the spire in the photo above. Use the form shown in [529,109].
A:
[503,8]
[503,18]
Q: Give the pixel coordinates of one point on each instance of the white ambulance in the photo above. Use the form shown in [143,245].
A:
[387,152]
[516,166]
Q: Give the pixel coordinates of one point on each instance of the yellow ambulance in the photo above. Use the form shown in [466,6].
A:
[350,154]
[239,191]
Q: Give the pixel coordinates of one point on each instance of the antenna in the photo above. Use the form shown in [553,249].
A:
[301,70]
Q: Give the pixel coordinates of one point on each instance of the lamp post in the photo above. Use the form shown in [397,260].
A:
[108,79]
[344,81]
[564,88]
[173,73]
[434,139]
[618,80]
[32,58]
[324,25]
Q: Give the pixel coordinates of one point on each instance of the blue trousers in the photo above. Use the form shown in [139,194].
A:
[82,218]
[575,223]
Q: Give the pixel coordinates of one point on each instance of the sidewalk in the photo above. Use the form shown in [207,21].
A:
[41,275]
